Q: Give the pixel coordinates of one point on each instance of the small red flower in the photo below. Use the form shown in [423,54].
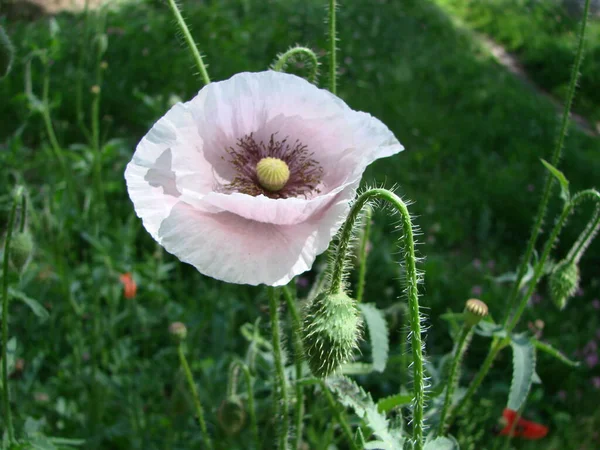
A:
[129,286]
[523,428]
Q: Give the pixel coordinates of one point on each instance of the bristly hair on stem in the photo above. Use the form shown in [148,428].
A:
[331,21]
[297,55]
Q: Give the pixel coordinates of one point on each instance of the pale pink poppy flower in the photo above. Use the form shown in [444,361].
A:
[194,180]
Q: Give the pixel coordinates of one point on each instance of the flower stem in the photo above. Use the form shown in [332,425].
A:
[195,397]
[298,355]
[332,47]
[362,268]
[461,346]
[251,407]
[541,213]
[294,54]
[190,41]
[280,380]
[338,415]
[412,291]
[5,392]
[585,238]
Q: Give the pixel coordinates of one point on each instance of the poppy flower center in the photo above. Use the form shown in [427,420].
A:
[275,169]
[272,173]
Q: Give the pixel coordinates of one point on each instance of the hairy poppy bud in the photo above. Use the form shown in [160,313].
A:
[475,310]
[564,281]
[331,330]
[7,52]
[21,249]
[232,415]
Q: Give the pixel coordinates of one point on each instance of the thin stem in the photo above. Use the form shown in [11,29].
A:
[453,377]
[279,369]
[298,355]
[332,47]
[295,53]
[251,407]
[585,238]
[190,41]
[362,267]
[5,391]
[541,213]
[195,397]
[339,416]
[412,291]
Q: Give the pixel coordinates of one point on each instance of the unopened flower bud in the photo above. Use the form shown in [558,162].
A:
[21,249]
[7,52]
[475,310]
[178,330]
[331,330]
[232,415]
[564,282]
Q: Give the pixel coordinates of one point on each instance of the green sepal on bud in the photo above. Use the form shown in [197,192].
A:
[331,331]
[7,53]
[21,249]
[232,415]
[475,311]
[178,330]
[564,282]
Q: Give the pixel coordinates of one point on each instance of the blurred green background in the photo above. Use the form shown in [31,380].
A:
[102,368]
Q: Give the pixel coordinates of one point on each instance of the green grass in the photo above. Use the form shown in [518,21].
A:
[474,136]
[543,36]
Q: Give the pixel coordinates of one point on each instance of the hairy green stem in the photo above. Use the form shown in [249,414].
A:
[298,356]
[5,392]
[453,377]
[362,264]
[190,41]
[251,407]
[585,238]
[412,291]
[195,398]
[541,213]
[339,416]
[295,53]
[332,47]
[279,369]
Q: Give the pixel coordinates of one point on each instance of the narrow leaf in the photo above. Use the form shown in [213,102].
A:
[378,333]
[547,348]
[442,443]
[560,177]
[386,404]
[523,370]
[34,305]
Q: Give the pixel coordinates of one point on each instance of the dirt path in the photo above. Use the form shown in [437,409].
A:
[513,65]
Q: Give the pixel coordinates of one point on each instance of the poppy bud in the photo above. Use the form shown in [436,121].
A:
[564,281]
[331,330]
[475,310]
[7,52]
[232,415]
[178,330]
[21,249]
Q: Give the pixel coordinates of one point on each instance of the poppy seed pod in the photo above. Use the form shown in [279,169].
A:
[331,330]
[564,281]
[178,330]
[475,310]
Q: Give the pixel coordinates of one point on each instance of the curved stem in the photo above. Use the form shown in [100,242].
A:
[251,407]
[541,213]
[298,355]
[297,52]
[279,369]
[461,346]
[190,41]
[338,415]
[6,394]
[195,397]
[332,47]
[411,290]
[362,267]
[585,238]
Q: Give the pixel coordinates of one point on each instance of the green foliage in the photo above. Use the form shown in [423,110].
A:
[442,443]
[378,334]
[353,396]
[387,404]
[560,177]
[547,348]
[7,52]
[523,370]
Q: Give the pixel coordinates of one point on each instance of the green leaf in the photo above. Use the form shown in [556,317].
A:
[523,370]
[386,404]
[489,329]
[353,396]
[560,177]
[34,305]
[442,443]
[547,348]
[378,332]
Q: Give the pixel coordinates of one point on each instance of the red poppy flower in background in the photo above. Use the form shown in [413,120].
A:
[129,286]
[523,428]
